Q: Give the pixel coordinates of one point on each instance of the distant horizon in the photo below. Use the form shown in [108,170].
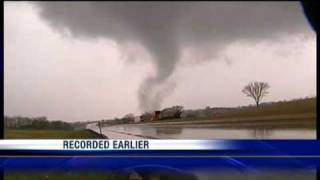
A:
[248,105]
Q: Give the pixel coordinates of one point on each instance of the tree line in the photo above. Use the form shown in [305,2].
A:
[19,122]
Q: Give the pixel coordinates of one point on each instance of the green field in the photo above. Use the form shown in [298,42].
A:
[286,114]
[71,175]
[107,175]
[293,108]
[287,109]
[49,134]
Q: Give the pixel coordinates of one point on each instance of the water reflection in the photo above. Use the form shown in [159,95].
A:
[169,131]
[260,132]
[205,132]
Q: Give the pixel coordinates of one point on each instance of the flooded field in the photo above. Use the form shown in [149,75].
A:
[135,131]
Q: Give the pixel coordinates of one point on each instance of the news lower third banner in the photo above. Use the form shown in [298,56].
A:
[161,147]
[111,153]
[106,146]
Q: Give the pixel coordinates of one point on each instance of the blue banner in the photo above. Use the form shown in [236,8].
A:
[240,154]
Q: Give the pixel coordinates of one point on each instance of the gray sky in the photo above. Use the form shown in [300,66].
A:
[85,61]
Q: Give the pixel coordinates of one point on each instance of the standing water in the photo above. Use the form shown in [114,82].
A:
[131,131]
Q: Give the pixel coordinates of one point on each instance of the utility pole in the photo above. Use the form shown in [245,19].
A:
[99,124]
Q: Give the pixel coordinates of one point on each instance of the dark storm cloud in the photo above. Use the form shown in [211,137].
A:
[165,29]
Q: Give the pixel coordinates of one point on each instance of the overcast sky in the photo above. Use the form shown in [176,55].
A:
[86,61]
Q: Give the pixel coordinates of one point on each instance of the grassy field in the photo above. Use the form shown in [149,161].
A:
[296,108]
[294,114]
[49,134]
[304,106]
[71,175]
[96,175]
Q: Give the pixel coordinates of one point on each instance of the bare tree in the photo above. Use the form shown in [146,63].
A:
[256,90]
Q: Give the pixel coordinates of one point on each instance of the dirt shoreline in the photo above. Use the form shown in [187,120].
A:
[100,136]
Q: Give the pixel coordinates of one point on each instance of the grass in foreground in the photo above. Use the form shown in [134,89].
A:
[49,134]
[107,175]
[47,175]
